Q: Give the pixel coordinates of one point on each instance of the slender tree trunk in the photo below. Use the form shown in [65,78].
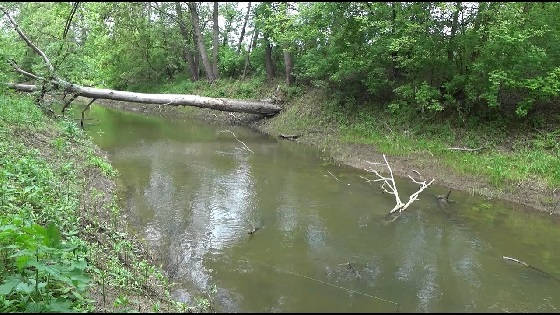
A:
[188,54]
[215,41]
[268,60]
[450,45]
[226,32]
[251,47]
[395,73]
[200,42]
[243,29]
[289,65]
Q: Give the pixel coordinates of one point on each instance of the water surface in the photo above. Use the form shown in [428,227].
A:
[193,192]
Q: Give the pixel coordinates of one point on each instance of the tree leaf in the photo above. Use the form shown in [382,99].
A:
[9,284]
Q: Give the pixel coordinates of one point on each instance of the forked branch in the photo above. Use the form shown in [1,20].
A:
[390,187]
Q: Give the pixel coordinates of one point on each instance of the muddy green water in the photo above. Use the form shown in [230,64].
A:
[322,244]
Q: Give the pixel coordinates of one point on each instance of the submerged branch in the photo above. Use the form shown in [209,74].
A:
[243,143]
[84,110]
[524,264]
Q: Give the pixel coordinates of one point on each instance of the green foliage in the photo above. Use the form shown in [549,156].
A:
[230,62]
[103,165]
[43,268]
[18,111]
[47,260]
[470,59]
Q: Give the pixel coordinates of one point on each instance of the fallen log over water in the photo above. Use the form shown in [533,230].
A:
[223,104]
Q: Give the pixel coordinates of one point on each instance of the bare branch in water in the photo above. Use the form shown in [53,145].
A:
[243,143]
[390,187]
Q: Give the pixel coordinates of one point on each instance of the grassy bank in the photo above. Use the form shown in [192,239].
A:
[63,243]
[516,160]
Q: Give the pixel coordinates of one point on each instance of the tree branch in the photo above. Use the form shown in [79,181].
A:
[390,187]
[29,43]
[243,143]
[25,73]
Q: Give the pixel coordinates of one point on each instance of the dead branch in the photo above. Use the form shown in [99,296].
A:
[524,264]
[83,112]
[243,143]
[69,19]
[390,187]
[68,102]
[288,137]
[333,176]
[467,149]
[25,73]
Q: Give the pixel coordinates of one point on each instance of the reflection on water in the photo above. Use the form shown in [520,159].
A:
[319,244]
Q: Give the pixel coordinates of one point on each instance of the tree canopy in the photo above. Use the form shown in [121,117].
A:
[429,58]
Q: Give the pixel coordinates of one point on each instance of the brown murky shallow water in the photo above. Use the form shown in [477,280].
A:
[321,244]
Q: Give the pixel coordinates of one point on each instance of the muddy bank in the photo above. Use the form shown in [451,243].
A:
[526,193]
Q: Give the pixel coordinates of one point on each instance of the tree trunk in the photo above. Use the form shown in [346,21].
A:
[200,42]
[450,45]
[289,65]
[251,47]
[268,60]
[395,72]
[243,29]
[223,104]
[226,32]
[215,41]
[188,54]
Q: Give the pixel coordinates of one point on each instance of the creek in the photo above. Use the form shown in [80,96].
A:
[318,243]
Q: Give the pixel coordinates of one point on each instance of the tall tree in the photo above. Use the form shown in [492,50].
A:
[200,42]
[268,59]
[243,28]
[252,46]
[188,54]
[288,66]
[215,40]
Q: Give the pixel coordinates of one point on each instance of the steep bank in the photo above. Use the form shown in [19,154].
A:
[64,239]
[518,166]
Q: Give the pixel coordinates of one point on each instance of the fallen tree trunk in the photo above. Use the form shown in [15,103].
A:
[223,104]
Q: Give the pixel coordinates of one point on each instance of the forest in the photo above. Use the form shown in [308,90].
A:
[469,91]
[468,60]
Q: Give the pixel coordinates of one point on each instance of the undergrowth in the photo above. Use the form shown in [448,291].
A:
[62,245]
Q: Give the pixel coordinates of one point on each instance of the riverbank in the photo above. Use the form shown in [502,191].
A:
[519,163]
[64,238]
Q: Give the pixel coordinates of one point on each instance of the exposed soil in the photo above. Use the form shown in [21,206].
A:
[527,193]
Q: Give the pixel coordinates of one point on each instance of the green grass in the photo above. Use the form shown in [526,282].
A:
[529,158]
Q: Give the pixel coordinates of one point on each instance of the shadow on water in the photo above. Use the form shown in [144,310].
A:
[274,231]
